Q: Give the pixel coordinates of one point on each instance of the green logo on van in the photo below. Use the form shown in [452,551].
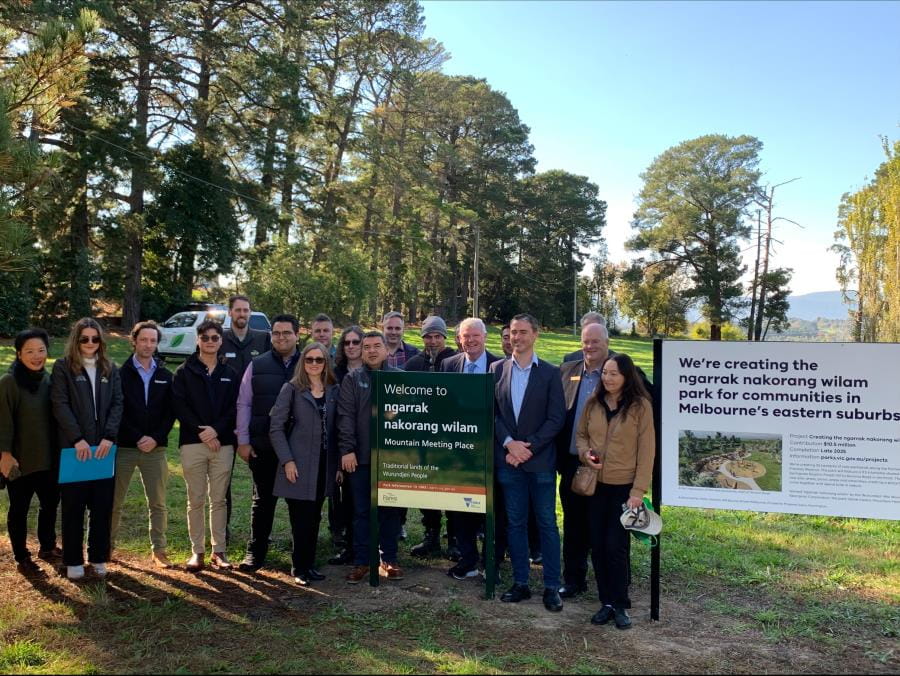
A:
[177,340]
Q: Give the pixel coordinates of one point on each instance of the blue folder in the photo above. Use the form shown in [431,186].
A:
[71,469]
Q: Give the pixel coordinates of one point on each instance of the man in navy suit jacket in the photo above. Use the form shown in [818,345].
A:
[473,359]
[529,412]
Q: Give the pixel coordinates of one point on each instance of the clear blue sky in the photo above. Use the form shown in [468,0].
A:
[608,86]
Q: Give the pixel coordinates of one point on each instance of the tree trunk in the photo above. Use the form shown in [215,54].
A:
[134,254]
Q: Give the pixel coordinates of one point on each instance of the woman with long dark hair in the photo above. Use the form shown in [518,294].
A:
[302,433]
[28,449]
[87,402]
[616,437]
[348,355]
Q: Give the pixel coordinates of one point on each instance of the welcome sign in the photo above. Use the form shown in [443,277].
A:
[432,440]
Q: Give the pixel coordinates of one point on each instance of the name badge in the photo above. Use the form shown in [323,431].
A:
[230,355]
[161,382]
[224,380]
[575,378]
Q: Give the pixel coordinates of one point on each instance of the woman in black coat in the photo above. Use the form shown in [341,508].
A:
[87,403]
[302,434]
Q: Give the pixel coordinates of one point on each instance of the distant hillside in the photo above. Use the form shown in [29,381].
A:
[807,306]
[811,306]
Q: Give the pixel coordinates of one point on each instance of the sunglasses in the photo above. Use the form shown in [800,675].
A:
[314,360]
[351,341]
[84,340]
[214,338]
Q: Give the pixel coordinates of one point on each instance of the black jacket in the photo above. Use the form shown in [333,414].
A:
[201,399]
[269,376]
[153,418]
[423,361]
[354,412]
[73,405]
[239,353]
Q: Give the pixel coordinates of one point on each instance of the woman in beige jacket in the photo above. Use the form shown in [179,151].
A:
[617,438]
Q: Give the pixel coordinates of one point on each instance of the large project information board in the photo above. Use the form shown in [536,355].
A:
[804,428]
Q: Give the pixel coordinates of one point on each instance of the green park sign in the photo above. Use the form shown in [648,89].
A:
[433,443]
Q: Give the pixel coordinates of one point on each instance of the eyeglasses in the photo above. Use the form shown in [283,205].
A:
[84,340]
[282,334]
[314,360]
[350,341]
[214,338]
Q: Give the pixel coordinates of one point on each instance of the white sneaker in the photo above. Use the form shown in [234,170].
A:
[74,572]
[99,569]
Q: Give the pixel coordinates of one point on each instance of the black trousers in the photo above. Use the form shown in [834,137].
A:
[97,498]
[305,516]
[21,491]
[340,512]
[576,543]
[609,544]
[466,527]
[262,509]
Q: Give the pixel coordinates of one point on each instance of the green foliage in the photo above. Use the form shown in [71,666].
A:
[701,331]
[690,215]
[656,297]
[288,281]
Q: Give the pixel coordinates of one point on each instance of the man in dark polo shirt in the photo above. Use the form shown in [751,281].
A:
[240,346]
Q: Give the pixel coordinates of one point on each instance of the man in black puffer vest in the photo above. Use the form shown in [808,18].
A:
[262,381]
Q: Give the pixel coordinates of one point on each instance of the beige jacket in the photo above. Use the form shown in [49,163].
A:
[630,444]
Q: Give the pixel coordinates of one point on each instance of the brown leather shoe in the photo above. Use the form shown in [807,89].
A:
[51,555]
[160,559]
[358,574]
[195,563]
[220,560]
[390,570]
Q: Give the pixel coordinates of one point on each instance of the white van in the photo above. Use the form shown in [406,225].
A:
[179,332]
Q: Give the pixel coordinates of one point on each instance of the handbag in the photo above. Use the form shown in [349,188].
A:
[585,481]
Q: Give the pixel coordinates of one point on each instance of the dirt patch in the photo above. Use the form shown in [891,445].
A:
[394,620]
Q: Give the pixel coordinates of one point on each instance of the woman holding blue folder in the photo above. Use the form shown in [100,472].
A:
[87,402]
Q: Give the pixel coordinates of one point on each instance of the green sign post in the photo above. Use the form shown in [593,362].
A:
[433,448]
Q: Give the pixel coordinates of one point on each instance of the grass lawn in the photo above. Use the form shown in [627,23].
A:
[771,480]
[742,592]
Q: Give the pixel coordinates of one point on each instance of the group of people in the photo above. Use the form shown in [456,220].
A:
[300,419]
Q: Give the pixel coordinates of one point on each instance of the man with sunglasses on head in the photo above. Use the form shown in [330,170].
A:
[204,393]
[260,385]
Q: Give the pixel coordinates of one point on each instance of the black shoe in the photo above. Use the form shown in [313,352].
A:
[454,554]
[570,591]
[459,572]
[249,565]
[537,559]
[342,558]
[621,618]
[314,576]
[516,593]
[430,545]
[29,568]
[552,602]
[603,615]
[52,555]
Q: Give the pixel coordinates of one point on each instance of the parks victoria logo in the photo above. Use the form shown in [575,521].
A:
[177,340]
[389,497]
[471,502]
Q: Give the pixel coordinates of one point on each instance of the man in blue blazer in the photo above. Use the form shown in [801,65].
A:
[474,358]
[529,411]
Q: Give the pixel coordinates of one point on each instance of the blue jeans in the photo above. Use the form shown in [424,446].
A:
[388,520]
[521,490]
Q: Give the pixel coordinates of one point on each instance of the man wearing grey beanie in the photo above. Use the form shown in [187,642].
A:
[434,335]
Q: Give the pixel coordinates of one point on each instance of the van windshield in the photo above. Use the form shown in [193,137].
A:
[182,320]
